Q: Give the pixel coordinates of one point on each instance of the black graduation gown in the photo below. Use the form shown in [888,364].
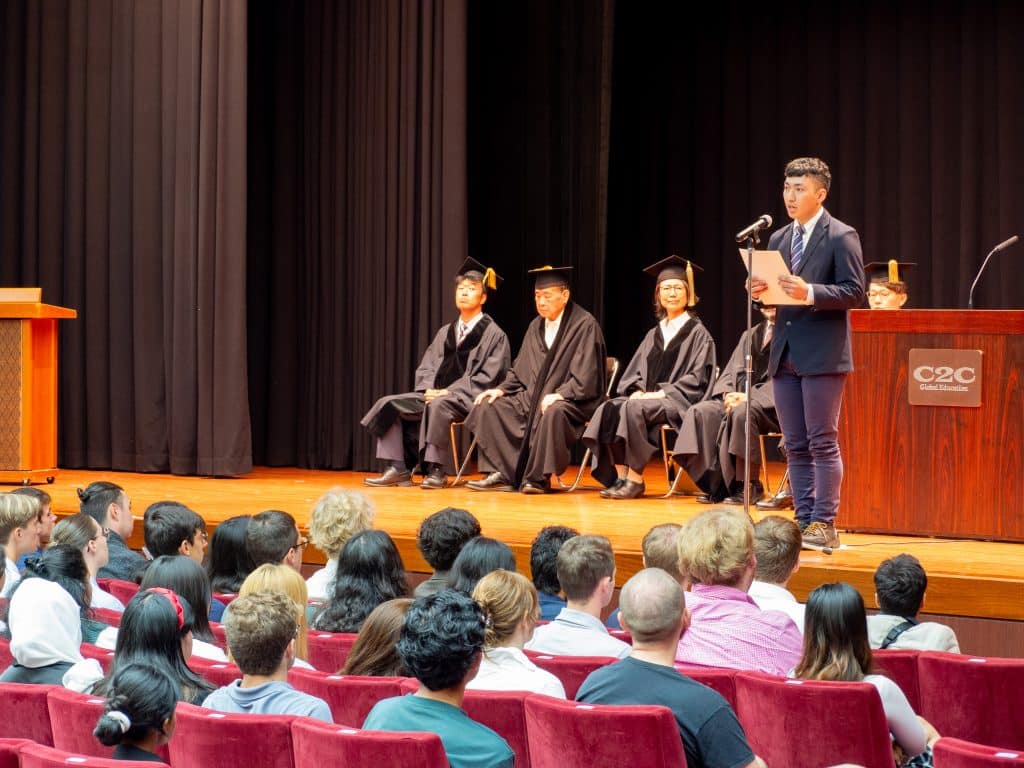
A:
[513,437]
[624,431]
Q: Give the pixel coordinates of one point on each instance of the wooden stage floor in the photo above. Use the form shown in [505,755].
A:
[966,578]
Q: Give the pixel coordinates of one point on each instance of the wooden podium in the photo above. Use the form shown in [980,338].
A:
[926,469]
[28,386]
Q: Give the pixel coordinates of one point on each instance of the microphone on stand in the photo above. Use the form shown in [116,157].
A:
[1002,246]
[762,223]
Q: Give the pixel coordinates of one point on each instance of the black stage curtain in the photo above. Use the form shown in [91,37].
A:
[357,223]
[122,194]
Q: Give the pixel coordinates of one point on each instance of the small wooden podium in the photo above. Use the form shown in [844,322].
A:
[28,386]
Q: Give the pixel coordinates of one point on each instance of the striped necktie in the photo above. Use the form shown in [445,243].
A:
[462,333]
[798,248]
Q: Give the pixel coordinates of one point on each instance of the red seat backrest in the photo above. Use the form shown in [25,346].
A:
[204,737]
[73,717]
[900,666]
[571,670]
[328,650]
[24,713]
[39,756]
[104,656]
[718,678]
[957,753]
[322,744]
[974,698]
[6,658]
[812,722]
[108,616]
[350,697]
[220,635]
[219,673]
[9,749]
[225,597]
[122,589]
[563,734]
[504,713]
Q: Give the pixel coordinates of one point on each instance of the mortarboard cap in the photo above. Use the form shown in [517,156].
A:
[491,279]
[891,271]
[678,268]
[547,276]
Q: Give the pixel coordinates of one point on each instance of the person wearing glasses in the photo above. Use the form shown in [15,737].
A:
[171,528]
[261,631]
[273,537]
[83,533]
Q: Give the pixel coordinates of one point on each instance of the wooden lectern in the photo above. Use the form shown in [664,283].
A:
[934,469]
[28,386]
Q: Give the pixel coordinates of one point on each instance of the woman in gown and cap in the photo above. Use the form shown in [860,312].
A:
[670,371]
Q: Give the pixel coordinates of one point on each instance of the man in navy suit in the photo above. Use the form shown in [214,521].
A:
[810,353]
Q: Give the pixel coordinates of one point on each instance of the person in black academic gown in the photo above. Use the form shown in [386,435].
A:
[527,426]
[466,357]
[669,372]
[711,442]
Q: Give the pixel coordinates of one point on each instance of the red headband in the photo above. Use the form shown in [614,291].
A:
[174,601]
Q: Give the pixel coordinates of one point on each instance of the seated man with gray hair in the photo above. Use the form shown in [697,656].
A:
[653,609]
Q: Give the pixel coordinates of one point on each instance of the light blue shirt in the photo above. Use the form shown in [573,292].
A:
[273,698]
[575,633]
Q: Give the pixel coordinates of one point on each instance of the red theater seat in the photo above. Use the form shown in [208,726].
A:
[73,717]
[504,713]
[571,670]
[565,734]
[204,738]
[812,722]
[39,756]
[956,753]
[6,659]
[350,697]
[108,616]
[9,749]
[328,650]
[217,672]
[718,678]
[975,698]
[900,666]
[104,656]
[24,713]
[320,744]
[120,588]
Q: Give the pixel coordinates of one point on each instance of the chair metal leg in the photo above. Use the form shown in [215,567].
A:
[579,475]
[465,463]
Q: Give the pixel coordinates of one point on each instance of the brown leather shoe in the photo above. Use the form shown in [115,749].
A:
[493,482]
[628,490]
[532,487]
[390,477]
[781,500]
[435,480]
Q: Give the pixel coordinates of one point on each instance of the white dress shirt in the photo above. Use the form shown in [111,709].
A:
[551,329]
[669,328]
[772,597]
[509,669]
[103,599]
[319,584]
[808,229]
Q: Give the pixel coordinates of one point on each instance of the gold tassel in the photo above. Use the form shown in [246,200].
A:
[894,271]
[490,279]
[692,297]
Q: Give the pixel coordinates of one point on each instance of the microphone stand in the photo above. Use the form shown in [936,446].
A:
[748,362]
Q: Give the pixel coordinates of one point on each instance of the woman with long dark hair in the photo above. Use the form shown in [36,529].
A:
[370,572]
[227,560]
[156,629]
[478,557]
[836,647]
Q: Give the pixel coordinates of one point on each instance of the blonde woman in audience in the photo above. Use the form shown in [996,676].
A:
[375,652]
[836,648]
[276,577]
[337,516]
[509,601]
[83,533]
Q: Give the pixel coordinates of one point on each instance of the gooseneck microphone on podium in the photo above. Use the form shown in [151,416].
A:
[1002,246]
[762,223]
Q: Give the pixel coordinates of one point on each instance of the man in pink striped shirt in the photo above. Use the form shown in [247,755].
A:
[727,629]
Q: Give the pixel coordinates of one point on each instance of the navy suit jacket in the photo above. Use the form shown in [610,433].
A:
[818,335]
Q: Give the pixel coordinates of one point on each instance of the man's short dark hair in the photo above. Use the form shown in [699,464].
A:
[95,499]
[777,545]
[582,562]
[442,535]
[810,166]
[544,557]
[166,524]
[270,535]
[258,628]
[442,635]
[900,583]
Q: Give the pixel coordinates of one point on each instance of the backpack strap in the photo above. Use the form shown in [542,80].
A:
[895,632]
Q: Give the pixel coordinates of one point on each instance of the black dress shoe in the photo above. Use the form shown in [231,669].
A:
[493,482]
[390,477]
[531,487]
[619,482]
[756,492]
[628,490]
[436,479]
[781,500]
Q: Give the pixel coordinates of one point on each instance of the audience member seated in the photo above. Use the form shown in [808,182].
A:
[138,715]
[288,582]
[337,516]
[274,537]
[19,532]
[441,641]
[375,651]
[544,568]
[83,533]
[900,584]
[777,545]
[110,506]
[727,629]
[836,648]
[509,602]
[370,572]
[660,550]
[227,562]
[439,539]
[47,519]
[586,571]
[261,630]
[45,622]
[156,629]
[653,609]
[479,557]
